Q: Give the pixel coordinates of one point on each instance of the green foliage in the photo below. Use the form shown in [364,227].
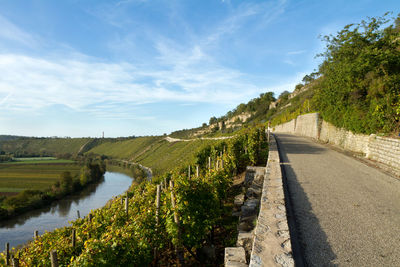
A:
[360,88]
[113,238]
[66,181]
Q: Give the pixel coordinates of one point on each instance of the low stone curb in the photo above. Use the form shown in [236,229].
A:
[268,244]
[272,246]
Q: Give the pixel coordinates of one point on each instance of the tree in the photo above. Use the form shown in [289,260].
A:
[298,87]
[212,120]
[360,89]
[284,95]
[66,181]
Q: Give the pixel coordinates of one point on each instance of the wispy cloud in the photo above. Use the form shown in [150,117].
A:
[89,85]
[4,100]
[297,52]
[186,71]
[289,62]
[11,32]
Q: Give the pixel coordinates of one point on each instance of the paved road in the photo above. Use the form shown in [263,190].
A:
[347,213]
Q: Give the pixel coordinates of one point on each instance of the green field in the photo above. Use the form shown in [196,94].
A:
[39,160]
[16,177]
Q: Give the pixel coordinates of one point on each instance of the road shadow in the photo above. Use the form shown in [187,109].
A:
[309,242]
[300,146]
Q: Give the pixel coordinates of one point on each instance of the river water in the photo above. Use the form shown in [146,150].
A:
[20,229]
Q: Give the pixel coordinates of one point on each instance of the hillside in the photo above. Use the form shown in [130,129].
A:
[153,151]
[357,86]
[8,137]
[27,146]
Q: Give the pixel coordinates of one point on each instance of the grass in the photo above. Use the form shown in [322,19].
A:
[153,151]
[43,161]
[125,149]
[34,158]
[164,156]
[18,177]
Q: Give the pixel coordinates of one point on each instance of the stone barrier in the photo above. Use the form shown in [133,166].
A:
[383,150]
[263,240]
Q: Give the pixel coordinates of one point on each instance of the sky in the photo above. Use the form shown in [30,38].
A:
[136,67]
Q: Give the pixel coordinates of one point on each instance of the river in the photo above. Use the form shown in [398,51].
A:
[20,229]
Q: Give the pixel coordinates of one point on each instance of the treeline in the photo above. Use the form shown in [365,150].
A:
[360,86]
[5,157]
[132,169]
[92,171]
[258,107]
[191,212]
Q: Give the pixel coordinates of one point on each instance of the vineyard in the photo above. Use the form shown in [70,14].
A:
[172,219]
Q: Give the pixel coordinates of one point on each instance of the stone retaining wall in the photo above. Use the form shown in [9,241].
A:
[343,138]
[307,125]
[287,127]
[385,151]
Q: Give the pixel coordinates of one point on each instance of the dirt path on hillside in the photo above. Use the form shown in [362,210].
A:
[347,213]
[171,140]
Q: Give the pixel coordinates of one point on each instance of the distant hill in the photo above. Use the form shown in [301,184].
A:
[31,146]
[8,137]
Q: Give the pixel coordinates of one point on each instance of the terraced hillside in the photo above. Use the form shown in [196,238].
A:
[153,151]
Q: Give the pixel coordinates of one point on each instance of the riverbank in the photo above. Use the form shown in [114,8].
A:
[68,184]
[19,229]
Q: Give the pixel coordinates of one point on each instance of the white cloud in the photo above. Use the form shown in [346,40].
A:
[93,86]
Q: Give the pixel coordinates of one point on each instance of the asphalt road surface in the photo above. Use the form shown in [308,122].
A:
[346,213]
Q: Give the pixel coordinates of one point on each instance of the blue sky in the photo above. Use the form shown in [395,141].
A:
[137,67]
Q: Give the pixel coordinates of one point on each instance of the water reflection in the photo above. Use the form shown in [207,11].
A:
[20,229]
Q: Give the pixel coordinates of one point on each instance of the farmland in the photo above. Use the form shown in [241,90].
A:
[33,174]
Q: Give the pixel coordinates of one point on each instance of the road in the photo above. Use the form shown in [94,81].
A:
[346,213]
[171,140]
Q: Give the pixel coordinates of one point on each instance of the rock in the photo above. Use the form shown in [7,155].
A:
[249,210]
[283,233]
[253,191]
[255,261]
[243,237]
[246,226]
[236,213]
[249,177]
[245,240]
[252,203]
[239,199]
[281,207]
[280,216]
[287,245]
[285,260]
[235,264]
[283,225]
[235,254]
